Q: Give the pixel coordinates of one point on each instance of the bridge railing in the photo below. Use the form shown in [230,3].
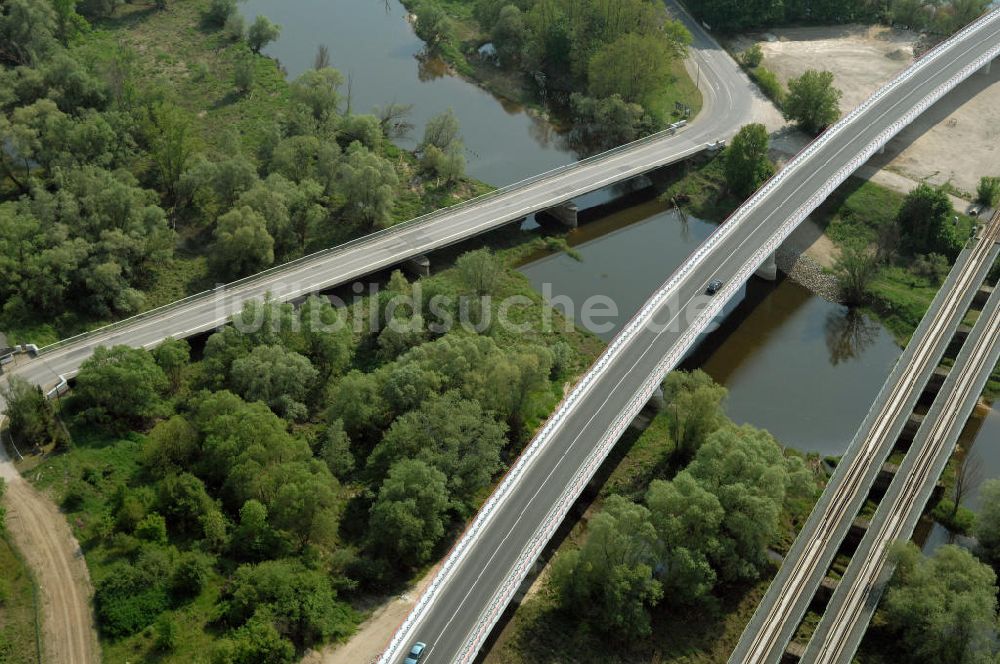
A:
[626,335]
[371,237]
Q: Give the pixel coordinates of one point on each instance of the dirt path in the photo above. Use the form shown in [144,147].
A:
[47,544]
[374,633]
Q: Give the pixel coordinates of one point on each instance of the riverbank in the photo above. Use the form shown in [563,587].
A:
[469,51]
[175,57]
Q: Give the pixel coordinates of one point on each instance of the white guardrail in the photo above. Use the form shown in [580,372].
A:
[558,512]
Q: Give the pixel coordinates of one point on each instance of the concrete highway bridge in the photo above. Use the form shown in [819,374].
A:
[855,595]
[490,561]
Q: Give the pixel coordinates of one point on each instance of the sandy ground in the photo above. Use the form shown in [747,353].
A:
[366,645]
[42,534]
[955,141]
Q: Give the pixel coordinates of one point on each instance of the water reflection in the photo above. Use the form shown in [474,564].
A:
[849,333]
[372,42]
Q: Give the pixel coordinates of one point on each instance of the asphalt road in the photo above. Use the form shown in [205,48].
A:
[853,603]
[727,94]
[474,590]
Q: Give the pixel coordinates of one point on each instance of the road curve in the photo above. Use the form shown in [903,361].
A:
[44,538]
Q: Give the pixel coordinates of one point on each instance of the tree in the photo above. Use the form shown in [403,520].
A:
[432,25]
[988,191]
[242,243]
[171,446]
[31,418]
[694,403]
[244,73]
[394,119]
[220,10]
[369,184]
[449,433]
[26,32]
[747,163]
[688,519]
[172,145]
[745,469]
[943,608]
[319,91]
[277,376]
[121,384]
[855,269]
[601,124]
[987,529]
[812,101]
[633,67]
[925,220]
[408,517]
[609,579]
[322,59]
[509,34]
[480,271]
[449,165]
[442,131]
[261,33]
[172,356]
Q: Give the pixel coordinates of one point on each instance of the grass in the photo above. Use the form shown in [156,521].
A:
[19,640]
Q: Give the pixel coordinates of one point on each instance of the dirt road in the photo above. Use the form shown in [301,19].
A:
[47,544]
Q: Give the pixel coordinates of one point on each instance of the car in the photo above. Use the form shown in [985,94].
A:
[416,653]
[713,287]
[974,210]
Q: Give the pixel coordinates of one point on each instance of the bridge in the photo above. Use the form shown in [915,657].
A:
[727,95]
[779,613]
[492,558]
[482,573]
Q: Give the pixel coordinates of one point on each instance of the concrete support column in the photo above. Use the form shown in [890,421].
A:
[769,270]
[881,150]
[986,68]
[418,266]
[564,213]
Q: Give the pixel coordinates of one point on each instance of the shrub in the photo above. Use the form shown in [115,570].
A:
[219,12]
[753,56]
[126,601]
[988,192]
[769,84]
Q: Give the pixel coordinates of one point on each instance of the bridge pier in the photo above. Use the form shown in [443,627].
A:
[418,266]
[769,270]
[986,68]
[658,402]
[564,213]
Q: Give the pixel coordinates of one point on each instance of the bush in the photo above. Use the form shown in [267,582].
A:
[753,56]
[244,74]
[769,84]
[988,192]
[127,601]
[219,12]
[152,528]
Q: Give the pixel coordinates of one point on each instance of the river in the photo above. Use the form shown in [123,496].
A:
[371,41]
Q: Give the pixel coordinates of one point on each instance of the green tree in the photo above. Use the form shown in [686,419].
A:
[747,163]
[812,101]
[855,268]
[601,124]
[152,528]
[26,32]
[694,403]
[442,131]
[509,33]
[943,608]
[121,384]
[609,579]
[261,33]
[753,56]
[925,220]
[745,469]
[31,417]
[277,376]
[987,529]
[171,446]
[219,11]
[408,517]
[480,270]
[688,520]
[172,145]
[173,355]
[242,243]
[432,25]
[244,73]
[988,191]
[369,187]
[319,91]
[449,433]
[634,67]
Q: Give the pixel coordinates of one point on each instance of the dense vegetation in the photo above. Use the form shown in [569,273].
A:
[939,16]
[18,619]
[612,67]
[120,177]
[681,534]
[238,503]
